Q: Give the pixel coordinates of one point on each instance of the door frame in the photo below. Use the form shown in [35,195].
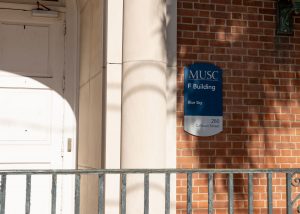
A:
[72,76]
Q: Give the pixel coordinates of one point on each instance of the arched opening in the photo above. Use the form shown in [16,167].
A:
[38,82]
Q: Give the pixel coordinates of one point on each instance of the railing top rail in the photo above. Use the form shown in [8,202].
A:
[150,171]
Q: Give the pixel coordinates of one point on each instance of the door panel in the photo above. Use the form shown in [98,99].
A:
[25,116]
[40,191]
[31,89]
[24,49]
[32,105]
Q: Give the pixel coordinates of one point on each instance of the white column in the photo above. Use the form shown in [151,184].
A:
[171,95]
[144,99]
[114,27]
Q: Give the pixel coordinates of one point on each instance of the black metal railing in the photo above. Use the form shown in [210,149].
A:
[291,180]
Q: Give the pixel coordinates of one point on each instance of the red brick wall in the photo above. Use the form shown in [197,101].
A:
[261,91]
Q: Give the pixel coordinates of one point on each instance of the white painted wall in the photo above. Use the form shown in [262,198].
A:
[91,71]
[90,98]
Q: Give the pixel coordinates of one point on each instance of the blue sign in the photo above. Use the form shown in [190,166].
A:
[203,102]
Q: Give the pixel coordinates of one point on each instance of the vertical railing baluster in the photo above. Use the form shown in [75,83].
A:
[250,193]
[230,194]
[288,193]
[146,193]
[189,208]
[53,193]
[3,194]
[77,194]
[167,194]
[101,194]
[189,192]
[28,193]
[123,194]
[270,194]
[210,193]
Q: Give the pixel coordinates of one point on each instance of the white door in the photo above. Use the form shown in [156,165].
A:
[31,103]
